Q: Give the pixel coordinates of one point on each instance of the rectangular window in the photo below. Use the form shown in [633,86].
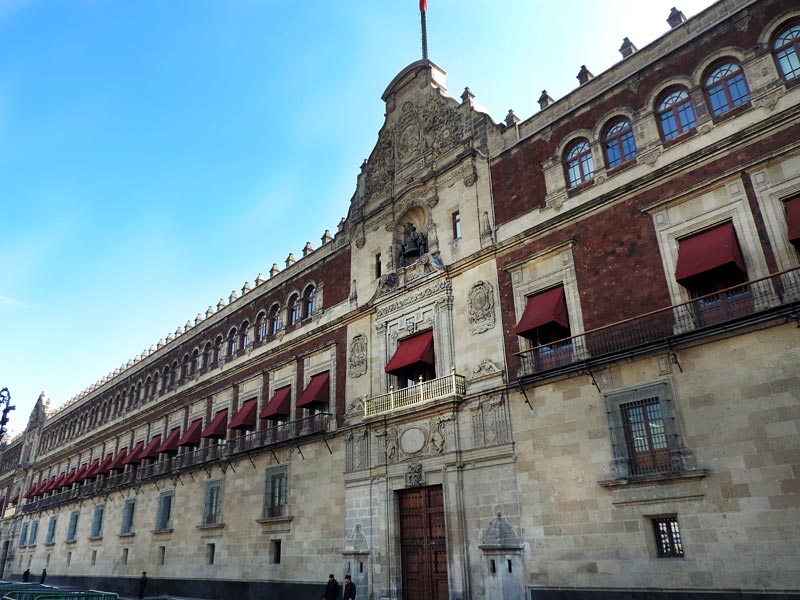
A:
[668,537]
[456,225]
[212,506]
[124,556]
[127,516]
[51,530]
[276,552]
[378,266]
[643,431]
[69,558]
[97,522]
[34,531]
[73,526]
[162,555]
[210,552]
[23,535]
[94,557]
[164,511]
[275,497]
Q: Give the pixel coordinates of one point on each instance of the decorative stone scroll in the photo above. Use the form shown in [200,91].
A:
[481,307]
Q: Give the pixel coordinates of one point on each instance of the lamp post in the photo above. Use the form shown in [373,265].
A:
[5,402]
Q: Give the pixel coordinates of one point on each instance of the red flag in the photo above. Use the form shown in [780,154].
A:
[423,5]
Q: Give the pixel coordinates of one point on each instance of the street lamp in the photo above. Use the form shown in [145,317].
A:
[5,402]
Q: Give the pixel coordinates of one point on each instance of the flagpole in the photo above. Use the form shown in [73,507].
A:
[423,6]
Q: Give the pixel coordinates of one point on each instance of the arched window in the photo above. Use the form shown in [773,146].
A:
[244,336]
[294,309]
[233,342]
[185,367]
[148,386]
[274,319]
[218,349]
[138,392]
[786,52]
[618,143]
[173,373]
[309,301]
[154,391]
[578,163]
[726,88]
[261,327]
[675,113]
[193,362]
[207,355]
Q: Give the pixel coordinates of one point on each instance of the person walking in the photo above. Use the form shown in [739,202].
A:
[142,584]
[26,576]
[349,588]
[332,589]
[44,576]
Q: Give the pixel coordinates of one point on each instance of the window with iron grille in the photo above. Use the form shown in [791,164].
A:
[127,516]
[97,522]
[73,526]
[668,537]
[212,506]
[164,511]
[51,530]
[275,496]
[34,531]
[643,430]
[23,535]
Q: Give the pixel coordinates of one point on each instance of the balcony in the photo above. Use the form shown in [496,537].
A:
[425,391]
[266,438]
[757,300]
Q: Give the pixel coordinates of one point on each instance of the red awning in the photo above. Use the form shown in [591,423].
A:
[246,417]
[30,491]
[71,477]
[81,474]
[135,457]
[105,466]
[217,427]
[50,484]
[192,435]
[152,448]
[119,460]
[793,219]
[318,390]
[170,445]
[94,470]
[280,405]
[416,349]
[40,488]
[708,250]
[60,481]
[14,499]
[543,308]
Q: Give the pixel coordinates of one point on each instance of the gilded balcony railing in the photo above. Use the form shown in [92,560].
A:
[424,391]
[705,314]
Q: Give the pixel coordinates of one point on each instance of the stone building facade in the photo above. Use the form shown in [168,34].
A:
[550,358]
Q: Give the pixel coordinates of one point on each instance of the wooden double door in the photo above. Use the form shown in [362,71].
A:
[422,540]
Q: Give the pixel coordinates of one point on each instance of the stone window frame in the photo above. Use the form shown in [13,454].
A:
[269,509]
[126,523]
[212,515]
[50,538]
[72,526]
[96,532]
[161,523]
[586,178]
[783,23]
[771,200]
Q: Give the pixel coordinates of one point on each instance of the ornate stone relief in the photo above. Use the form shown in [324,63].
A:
[422,294]
[420,439]
[481,307]
[355,409]
[415,476]
[357,450]
[387,283]
[357,362]
[489,422]
[485,368]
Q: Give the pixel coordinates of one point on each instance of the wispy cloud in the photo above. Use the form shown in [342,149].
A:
[6,301]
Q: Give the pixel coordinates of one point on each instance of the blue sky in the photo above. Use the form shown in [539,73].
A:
[156,155]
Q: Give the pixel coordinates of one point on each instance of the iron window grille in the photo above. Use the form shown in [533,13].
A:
[643,432]
[668,537]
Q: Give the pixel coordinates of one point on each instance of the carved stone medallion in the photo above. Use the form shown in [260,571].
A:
[481,307]
[413,440]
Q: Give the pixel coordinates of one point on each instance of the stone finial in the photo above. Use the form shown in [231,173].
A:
[232,297]
[467,95]
[307,249]
[245,288]
[221,304]
[209,312]
[511,118]
[152,349]
[129,364]
[545,100]
[274,270]
[188,326]
[584,75]
[178,331]
[340,226]
[260,279]
[627,48]
[115,373]
[327,237]
[290,260]
[160,344]
[170,337]
[675,18]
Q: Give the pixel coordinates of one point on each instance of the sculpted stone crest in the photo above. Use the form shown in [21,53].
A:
[358,356]
[481,307]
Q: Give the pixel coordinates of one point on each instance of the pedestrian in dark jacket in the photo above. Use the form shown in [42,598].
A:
[349,588]
[142,584]
[332,589]
[26,575]
[44,576]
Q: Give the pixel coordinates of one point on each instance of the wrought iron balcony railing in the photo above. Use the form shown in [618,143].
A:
[285,432]
[424,391]
[704,315]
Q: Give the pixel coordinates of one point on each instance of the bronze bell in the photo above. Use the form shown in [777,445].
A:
[411,248]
